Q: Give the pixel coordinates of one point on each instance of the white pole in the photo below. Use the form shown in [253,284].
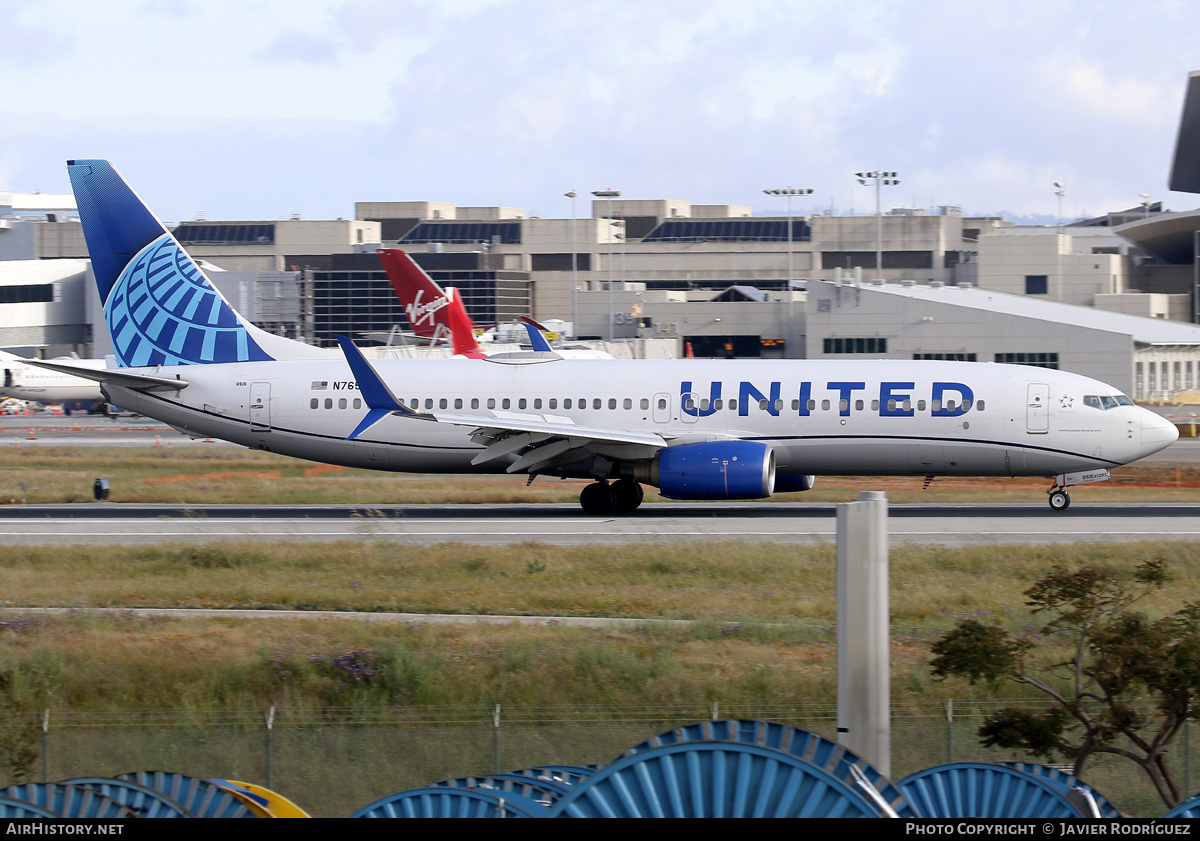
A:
[863,677]
[574,273]
[791,341]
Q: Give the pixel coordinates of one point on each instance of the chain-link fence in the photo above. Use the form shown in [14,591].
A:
[333,762]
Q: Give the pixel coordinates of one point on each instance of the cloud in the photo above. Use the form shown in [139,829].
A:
[300,47]
[515,101]
[26,43]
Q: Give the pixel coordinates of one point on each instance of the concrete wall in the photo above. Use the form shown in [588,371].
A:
[1073,276]
[61,323]
[1147,305]
[404,210]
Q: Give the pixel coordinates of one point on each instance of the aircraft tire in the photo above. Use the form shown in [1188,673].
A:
[627,495]
[1060,500]
[596,499]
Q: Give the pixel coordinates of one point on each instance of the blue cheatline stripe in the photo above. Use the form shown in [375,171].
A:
[1008,445]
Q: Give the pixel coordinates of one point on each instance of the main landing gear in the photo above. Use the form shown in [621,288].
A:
[621,497]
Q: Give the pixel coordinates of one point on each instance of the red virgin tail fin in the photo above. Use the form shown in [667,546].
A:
[425,303]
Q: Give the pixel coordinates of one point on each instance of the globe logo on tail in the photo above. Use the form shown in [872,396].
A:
[163,311]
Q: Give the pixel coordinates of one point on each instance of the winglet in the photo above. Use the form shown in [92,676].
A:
[537,339]
[379,398]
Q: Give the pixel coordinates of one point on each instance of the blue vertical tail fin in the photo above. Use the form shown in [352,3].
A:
[159,306]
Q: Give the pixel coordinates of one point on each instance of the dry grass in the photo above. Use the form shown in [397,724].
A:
[196,475]
[718,582]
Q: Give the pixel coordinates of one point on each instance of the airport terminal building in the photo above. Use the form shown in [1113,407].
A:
[1112,297]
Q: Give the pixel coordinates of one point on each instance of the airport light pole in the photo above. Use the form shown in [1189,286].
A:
[1060,191]
[610,195]
[574,272]
[1145,204]
[789,192]
[878,179]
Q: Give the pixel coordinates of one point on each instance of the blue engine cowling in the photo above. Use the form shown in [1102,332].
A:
[717,470]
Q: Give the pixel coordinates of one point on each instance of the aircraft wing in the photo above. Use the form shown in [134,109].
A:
[538,440]
[125,379]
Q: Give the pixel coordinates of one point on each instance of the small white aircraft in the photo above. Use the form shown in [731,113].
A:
[23,381]
[695,429]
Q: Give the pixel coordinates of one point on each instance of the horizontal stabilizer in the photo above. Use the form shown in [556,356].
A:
[124,379]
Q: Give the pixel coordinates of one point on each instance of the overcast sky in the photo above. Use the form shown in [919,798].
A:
[257,109]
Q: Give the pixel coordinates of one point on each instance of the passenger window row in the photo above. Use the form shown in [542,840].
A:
[689,404]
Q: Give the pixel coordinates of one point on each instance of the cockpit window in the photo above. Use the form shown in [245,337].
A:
[1106,401]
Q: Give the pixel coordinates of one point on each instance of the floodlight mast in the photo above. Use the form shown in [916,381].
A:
[610,195]
[1060,192]
[789,192]
[878,179]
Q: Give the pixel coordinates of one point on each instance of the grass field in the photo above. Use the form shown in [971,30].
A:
[763,613]
[222,475]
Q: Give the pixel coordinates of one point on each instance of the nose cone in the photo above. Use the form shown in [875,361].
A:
[1158,433]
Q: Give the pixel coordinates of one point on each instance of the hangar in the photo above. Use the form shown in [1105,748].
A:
[1149,359]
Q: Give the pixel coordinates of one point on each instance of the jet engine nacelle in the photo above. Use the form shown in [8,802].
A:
[713,470]
[794,484]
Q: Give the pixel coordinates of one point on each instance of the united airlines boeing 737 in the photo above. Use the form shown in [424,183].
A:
[695,429]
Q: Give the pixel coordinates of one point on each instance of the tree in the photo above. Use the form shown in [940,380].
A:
[1113,655]
[18,736]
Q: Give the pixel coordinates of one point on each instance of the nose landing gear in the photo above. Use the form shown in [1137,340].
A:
[1060,500]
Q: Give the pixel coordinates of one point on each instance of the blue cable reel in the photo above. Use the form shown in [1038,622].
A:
[539,790]
[11,808]
[713,780]
[825,753]
[1189,808]
[143,801]
[448,802]
[735,769]
[982,790]
[69,801]
[1068,783]
[200,797]
[571,775]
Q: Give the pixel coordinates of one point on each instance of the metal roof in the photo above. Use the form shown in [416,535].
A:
[1171,236]
[1143,330]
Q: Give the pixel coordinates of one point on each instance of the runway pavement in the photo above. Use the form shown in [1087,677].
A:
[564,525]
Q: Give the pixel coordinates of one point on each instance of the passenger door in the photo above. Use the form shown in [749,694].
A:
[260,407]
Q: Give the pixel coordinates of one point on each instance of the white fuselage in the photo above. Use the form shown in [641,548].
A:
[22,381]
[821,417]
